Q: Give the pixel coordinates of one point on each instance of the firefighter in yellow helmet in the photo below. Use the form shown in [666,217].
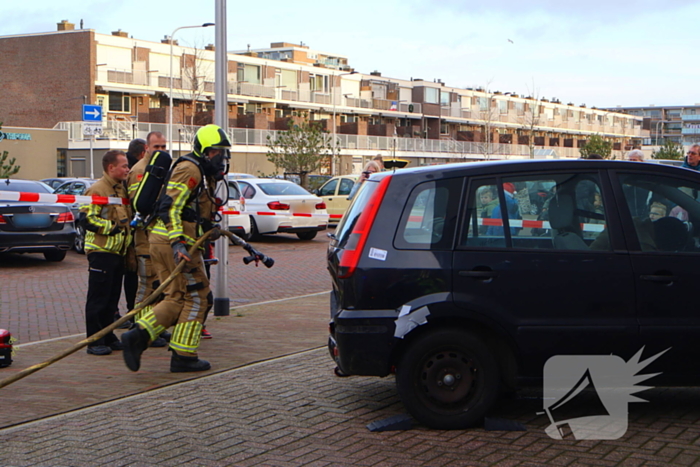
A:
[184,212]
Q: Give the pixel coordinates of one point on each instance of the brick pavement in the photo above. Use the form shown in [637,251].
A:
[294,412]
[41,300]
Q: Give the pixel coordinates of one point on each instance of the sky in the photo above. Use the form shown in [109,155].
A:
[601,53]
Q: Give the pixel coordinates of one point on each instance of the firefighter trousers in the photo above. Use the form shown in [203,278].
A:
[186,301]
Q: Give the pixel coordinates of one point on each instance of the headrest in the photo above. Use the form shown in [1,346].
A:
[561,211]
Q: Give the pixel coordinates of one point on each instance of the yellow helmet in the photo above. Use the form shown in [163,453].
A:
[210,136]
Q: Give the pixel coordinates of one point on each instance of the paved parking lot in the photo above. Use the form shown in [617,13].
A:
[289,411]
[293,412]
[41,300]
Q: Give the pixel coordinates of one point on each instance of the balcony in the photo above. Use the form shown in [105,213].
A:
[691,118]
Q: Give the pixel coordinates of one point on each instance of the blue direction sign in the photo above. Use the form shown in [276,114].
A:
[92,113]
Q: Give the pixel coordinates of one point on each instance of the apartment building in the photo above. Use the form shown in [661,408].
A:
[677,123]
[48,76]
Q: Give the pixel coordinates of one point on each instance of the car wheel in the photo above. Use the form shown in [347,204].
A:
[306,235]
[254,234]
[55,256]
[79,243]
[448,379]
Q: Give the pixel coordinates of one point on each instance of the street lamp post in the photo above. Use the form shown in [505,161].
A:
[657,130]
[170,108]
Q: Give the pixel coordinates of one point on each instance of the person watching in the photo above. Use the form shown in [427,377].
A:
[692,159]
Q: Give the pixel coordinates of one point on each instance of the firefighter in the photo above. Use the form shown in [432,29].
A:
[107,238]
[184,212]
[147,279]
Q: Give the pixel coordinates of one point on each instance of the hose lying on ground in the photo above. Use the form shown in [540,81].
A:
[254,256]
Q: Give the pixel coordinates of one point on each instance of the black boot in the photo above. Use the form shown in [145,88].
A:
[180,364]
[135,342]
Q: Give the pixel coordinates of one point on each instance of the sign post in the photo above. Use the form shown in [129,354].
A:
[92,126]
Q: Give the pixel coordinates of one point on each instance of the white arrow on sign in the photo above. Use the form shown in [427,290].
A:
[94,112]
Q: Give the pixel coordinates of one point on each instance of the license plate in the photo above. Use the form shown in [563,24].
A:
[31,221]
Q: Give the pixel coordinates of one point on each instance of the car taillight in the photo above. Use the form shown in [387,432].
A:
[65,217]
[277,206]
[242,200]
[2,220]
[356,240]
[321,205]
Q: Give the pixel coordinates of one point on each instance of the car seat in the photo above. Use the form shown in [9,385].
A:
[565,232]
[670,234]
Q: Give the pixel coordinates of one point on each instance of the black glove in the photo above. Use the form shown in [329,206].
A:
[179,248]
[115,230]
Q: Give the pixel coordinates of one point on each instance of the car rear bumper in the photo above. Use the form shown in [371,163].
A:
[27,242]
[361,342]
[301,229]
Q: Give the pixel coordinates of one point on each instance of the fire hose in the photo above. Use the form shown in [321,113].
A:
[255,255]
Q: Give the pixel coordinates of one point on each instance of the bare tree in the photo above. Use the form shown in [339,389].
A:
[531,119]
[194,72]
[488,116]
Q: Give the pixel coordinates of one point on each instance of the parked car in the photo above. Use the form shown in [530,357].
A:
[314,181]
[34,227]
[57,181]
[237,176]
[335,194]
[280,206]
[238,224]
[465,300]
[76,187]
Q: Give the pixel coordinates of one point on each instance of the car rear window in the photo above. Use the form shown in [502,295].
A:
[346,224]
[282,189]
[25,186]
[429,217]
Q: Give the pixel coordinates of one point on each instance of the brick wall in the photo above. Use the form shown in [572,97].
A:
[44,78]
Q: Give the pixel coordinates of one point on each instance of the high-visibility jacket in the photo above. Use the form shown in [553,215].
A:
[132,184]
[107,227]
[188,202]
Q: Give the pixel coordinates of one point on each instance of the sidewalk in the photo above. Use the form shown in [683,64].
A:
[250,334]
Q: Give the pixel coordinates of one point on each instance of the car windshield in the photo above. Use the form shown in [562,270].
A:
[25,186]
[281,189]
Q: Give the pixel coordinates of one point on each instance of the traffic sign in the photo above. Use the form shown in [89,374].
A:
[92,129]
[92,113]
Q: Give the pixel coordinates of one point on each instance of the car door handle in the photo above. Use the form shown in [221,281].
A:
[657,278]
[478,274]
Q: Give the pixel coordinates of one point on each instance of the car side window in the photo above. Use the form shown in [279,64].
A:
[429,216]
[665,212]
[329,188]
[77,189]
[550,212]
[481,228]
[246,190]
[62,190]
[345,186]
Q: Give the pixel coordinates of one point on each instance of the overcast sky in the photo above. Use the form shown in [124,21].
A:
[599,52]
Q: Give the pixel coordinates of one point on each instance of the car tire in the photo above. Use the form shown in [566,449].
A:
[79,243]
[55,256]
[307,235]
[448,379]
[254,234]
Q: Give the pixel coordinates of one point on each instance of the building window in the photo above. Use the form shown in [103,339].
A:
[432,95]
[119,102]
[445,98]
[154,103]
[61,164]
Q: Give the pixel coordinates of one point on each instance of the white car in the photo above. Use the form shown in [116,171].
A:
[238,224]
[280,206]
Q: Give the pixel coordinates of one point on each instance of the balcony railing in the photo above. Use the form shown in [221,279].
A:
[183,134]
